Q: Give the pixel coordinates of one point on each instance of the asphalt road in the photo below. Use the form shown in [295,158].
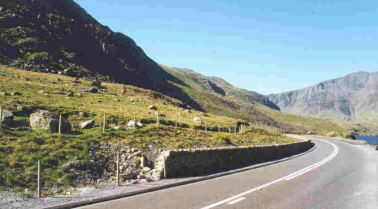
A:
[334,175]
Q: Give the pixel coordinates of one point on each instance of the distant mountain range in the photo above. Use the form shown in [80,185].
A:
[350,98]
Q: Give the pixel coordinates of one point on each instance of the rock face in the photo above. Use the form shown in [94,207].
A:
[45,120]
[351,98]
[7,117]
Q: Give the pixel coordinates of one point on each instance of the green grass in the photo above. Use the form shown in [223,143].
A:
[21,147]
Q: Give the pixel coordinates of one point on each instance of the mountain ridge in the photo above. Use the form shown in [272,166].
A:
[350,98]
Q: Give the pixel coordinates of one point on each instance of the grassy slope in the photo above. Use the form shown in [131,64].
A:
[258,114]
[20,146]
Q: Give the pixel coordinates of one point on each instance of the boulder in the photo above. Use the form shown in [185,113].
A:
[131,123]
[7,117]
[45,120]
[70,93]
[119,128]
[15,93]
[152,107]
[140,125]
[197,120]
[83,114]
[87,124]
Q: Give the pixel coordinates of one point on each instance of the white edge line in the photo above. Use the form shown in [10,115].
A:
[236,201]
[295,174]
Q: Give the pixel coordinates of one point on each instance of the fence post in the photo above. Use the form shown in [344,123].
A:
[104,126]
[175,124]
[164,169]
[218,127]
[60,125]
[205,126]
[117,178]
[39,180]
[157,119]
[1,116]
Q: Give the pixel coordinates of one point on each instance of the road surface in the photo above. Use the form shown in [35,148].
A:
[334,175]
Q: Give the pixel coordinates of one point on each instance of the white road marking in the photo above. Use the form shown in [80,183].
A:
[288,177]
[236,201]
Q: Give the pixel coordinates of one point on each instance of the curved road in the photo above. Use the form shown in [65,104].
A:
[334,175]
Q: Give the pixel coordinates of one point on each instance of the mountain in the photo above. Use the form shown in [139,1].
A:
[58,36]
[61,37]
[350,98]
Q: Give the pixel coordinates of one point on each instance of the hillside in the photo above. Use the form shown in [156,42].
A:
[350,98]
[60,37]
[24,93]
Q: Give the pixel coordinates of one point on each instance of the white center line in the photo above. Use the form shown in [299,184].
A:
[288,177]
[236,201]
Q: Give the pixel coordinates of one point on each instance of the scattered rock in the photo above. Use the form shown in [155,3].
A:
[140,125]
[96,83]
[119,128]
[74,126]
[76,80]
[186,110]
[89,89]
[27,79]
[70,93]
[160,114]
[197,120]
[202,114]
[131,123]
[7,117]
[45,120]
[15,93]
[58,79]
[87,124]
[83,114]
[152,107]
[43,92]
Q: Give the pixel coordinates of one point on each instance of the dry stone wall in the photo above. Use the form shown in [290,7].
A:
[183,163]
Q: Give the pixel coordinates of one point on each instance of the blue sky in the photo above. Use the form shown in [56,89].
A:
[266,46]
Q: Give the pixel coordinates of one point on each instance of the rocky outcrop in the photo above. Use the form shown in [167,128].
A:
[45,120]
[351,98]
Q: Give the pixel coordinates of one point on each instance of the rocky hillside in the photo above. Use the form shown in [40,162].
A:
[350,98]
[60,37]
